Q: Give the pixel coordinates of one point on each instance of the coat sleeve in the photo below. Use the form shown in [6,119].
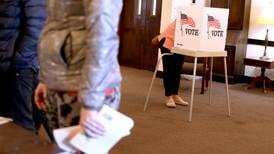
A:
[101,69]
[34,12]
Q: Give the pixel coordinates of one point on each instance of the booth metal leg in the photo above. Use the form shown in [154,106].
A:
[211,83]
[153,78]
[192,89]
[226,82]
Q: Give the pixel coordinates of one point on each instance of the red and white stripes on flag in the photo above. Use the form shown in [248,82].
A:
[212,22]
[186,20]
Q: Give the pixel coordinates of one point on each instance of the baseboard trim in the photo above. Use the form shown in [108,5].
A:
[232,79]
[215,77]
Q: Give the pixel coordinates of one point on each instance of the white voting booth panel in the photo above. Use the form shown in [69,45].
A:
[201,28]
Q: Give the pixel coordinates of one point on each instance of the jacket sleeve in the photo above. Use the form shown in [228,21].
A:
[34,12]
[101,69]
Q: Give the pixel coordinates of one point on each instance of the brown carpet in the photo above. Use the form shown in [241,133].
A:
[161,130]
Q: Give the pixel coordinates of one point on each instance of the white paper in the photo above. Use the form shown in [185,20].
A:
[117,126]
[4,120]
[62,138]
[100,145]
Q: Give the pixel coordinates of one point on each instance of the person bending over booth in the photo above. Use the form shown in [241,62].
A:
[172,65]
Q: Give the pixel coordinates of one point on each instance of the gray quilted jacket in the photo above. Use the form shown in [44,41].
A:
[89,63]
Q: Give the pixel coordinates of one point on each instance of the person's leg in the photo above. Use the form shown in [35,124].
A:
[69,110]
[52,109]
[167,72]
[43,119]
[178,61]
[62,110]
[23,87]
[39,116]
[51,113]
[168,77]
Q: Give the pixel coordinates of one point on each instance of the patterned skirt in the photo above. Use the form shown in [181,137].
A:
[63,109]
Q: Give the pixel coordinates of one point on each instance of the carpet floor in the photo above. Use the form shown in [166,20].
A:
[162,130]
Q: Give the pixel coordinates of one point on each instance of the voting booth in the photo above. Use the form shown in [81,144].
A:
[201,28]
[199,32]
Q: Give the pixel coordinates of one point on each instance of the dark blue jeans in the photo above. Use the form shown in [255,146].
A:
[23,110]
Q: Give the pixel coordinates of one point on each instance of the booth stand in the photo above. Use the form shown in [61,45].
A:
[200,32]
[210,54]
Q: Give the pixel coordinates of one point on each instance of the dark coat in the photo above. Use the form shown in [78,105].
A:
[21,22]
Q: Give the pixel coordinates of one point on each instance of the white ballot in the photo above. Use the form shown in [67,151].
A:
[62,136]
[117,126]
[4,120]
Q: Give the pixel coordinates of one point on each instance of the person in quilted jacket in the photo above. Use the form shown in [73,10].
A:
[21,22]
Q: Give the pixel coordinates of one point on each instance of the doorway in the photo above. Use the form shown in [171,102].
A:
[140,22]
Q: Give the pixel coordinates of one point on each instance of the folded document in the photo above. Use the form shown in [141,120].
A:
[117,126]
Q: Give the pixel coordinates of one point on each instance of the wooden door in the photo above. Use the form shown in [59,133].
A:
[140,21]
[236,12]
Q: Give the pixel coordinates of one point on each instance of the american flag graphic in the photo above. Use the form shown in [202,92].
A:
[212,22]
[185,20]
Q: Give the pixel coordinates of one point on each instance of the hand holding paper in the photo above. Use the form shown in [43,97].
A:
[117,125]
[91,124]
